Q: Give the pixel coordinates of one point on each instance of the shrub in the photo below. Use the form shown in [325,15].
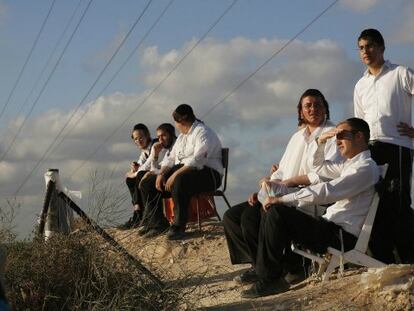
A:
[67,274]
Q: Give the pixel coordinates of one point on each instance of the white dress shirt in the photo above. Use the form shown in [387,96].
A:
[352,188]
[297,159]
[145,153]
[198,148]
[152,164]
[384,101]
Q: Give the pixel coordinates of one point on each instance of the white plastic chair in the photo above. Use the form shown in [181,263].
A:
[335,258]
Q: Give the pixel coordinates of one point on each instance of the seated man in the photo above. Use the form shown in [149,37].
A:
[142,139]
[193,166]
[241,222]
[166,140]
[351,187]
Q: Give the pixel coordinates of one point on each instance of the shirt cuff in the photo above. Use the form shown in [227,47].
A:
[289,199]
[313,178]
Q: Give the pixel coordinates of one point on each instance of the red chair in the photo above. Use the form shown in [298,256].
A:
[202,205]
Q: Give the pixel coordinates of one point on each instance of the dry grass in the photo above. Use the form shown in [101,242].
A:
[65,274]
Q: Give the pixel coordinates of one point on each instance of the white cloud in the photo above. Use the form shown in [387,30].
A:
[360,5]
[255,122]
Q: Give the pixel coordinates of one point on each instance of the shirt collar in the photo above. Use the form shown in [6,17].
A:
[193,126]
[310,136]
[386,65]
[360,157]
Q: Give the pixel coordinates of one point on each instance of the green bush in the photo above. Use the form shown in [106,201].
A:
[67,274]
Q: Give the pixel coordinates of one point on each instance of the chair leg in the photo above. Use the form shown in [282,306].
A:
[333,263]
[198,215]
[210,200]
[227,201]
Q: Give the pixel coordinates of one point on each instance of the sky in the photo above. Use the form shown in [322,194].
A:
[80,102]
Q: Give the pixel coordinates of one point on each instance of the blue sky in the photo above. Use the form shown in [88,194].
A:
[255,122]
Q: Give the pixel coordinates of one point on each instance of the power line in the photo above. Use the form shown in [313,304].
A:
[39,78]
[50,76]
[269,59]
[86,95]
[177,64]
[27,59]
[132,53]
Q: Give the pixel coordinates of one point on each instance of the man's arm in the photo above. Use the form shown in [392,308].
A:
[345,186]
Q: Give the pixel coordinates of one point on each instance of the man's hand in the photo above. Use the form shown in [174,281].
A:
[160,182]
[274,168]
[252,200]
[329,134]
[405,130]
[170,181]
[270,201]
[157,148]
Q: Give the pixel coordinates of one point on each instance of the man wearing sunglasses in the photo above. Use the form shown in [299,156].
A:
[352,190]
[383,98]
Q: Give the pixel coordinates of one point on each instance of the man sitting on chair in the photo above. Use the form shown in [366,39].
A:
[351,187]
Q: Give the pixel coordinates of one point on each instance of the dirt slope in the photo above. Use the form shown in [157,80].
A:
[200,265]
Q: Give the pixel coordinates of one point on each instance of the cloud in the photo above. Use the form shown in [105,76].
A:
[255,122]
[359,5]
[404,27]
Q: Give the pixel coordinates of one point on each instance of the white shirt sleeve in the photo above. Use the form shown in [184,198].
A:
[408,80]
[146,166]
[345,186]
[327,168]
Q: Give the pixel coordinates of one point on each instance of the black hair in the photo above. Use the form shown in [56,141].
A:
[141,127]
[169,128]
[358,125]
[372,35]
[184,113]
[313,93]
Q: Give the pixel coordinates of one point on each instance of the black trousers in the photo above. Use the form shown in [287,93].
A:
[281,225]
[133,186]
[394,222]
[241,227]
[185,186]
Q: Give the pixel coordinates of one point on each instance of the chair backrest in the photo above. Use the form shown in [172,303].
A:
[225,161]
[365,234]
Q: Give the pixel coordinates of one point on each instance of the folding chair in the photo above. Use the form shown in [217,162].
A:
[335,258]
[198,202]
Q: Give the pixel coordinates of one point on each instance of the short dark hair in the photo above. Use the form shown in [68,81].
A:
[372,35]
[184,113]
[313,93]
[167,127]
[141,127]
[358,125]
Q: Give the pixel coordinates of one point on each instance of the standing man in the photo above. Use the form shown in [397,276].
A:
[382,97]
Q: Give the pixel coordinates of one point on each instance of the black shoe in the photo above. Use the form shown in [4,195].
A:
[133,222]
[247,277]
[265,288]
[175,233]
[152,233]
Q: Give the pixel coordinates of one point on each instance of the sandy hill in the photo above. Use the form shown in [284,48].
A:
[200,265]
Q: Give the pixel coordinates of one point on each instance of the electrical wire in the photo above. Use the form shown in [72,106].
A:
[131,54]
[177,64]
[29,56]
[240,84]
[50,76]
[39,78]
